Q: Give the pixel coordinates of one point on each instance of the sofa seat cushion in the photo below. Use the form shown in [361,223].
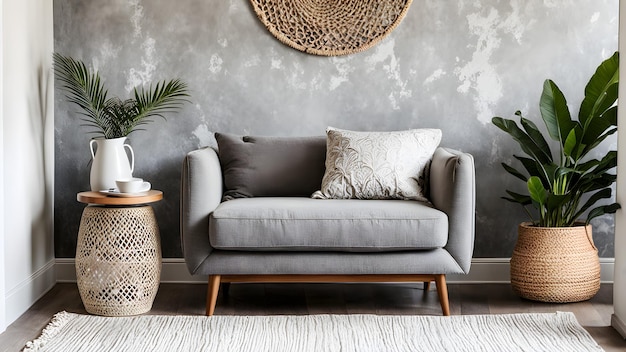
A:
[304,224]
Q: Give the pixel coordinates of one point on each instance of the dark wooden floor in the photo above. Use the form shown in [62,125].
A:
[265,299]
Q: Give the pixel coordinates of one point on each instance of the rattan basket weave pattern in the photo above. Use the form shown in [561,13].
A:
[118,260]
[331,27]
[555,264]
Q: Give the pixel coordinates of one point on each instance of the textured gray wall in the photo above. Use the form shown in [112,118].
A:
[449,65]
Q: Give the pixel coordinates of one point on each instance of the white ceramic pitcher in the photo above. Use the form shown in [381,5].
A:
[110,162]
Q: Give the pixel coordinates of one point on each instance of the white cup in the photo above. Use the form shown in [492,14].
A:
[132,185]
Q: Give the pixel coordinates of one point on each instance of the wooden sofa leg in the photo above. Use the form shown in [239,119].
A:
[212,290]
[442,292]
[426,286]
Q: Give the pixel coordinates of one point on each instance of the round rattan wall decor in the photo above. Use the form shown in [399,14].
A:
[331,27]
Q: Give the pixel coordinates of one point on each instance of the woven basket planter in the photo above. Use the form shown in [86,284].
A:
[555,264]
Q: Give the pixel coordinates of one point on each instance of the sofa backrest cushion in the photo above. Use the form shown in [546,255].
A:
[255,166]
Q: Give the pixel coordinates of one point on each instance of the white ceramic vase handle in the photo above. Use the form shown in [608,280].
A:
[132,158]
[93,154]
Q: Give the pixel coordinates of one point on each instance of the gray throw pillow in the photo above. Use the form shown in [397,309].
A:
[271,166]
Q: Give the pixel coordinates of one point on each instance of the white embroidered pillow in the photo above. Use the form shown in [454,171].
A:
[377,165]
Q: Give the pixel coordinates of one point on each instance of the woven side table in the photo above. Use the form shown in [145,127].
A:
[118,254]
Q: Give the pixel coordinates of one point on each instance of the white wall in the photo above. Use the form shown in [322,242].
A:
[2,290]
[619,281]
[27,147]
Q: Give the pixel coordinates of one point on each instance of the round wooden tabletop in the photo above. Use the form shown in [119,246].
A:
[119,199]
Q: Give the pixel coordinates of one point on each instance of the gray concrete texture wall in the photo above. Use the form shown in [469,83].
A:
[451,65]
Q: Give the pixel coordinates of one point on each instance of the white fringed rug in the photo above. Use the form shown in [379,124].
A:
[559,331]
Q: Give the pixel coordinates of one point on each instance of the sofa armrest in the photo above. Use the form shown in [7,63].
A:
[201,193]
[452,190]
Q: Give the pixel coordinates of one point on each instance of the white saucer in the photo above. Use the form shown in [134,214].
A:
[114,192]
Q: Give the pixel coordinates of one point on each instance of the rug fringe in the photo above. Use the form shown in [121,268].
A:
[51,330]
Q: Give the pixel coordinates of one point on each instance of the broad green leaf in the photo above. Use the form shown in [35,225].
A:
[565,171]
[518,198]
[570,144]
[604,193]
[601,210]
[523,139]
[555,112]
[592,131]
[534,133]
[554,201]
[552,172]
[534,168]
[514,172]
[587,165]
[597,141]
[611,115]
[607,162]
[537,191]
[595,182]
[601,90]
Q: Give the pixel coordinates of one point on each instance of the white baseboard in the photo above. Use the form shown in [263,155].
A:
[484,270]
[619,325]
[174,270]
[497,270]
[27,292]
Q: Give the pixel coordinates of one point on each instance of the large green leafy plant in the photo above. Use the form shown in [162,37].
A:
[113,117]
[562,186]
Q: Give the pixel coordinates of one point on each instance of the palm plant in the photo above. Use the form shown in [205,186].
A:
[558,187]
[113,117]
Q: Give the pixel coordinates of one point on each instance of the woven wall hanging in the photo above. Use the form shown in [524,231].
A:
[331,27]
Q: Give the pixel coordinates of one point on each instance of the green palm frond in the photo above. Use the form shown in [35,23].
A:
[113,117]
[82,87]
[166,97]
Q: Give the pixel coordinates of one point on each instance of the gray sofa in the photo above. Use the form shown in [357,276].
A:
[277,233]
